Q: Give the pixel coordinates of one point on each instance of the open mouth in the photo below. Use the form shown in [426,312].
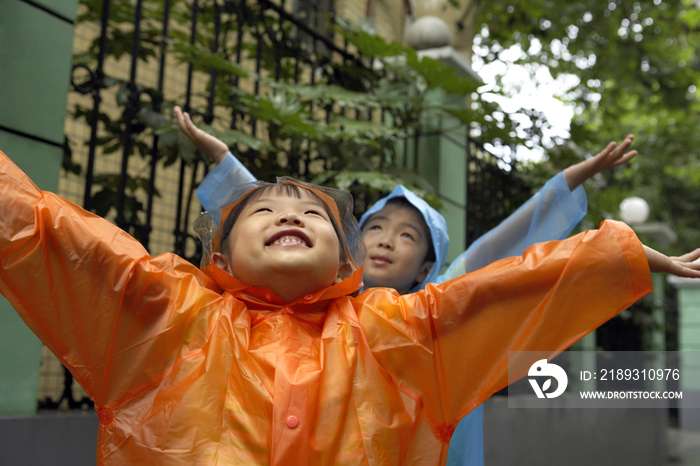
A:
[289,238]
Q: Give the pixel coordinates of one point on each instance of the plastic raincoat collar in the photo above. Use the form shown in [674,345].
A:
[264,298]
[435,221]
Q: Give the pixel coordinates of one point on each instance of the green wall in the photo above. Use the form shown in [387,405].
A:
[443,162]
[35,58]
[688,331]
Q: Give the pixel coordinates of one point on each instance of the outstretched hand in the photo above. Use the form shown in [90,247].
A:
[213,147]
[683,266]
[612,156]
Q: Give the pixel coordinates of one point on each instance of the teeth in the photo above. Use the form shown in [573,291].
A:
[289,239]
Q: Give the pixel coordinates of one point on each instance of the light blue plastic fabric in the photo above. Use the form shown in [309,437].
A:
[467,445]
[218,182]
[550,214]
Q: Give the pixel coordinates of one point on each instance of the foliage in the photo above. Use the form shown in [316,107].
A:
[637,70]
[635,62]
[341,128]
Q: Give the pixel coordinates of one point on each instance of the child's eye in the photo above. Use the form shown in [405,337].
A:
[408,235]
[264,209]
[375,228]
[312,212]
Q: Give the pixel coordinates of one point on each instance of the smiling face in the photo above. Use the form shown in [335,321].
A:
[284,243]
[398,242]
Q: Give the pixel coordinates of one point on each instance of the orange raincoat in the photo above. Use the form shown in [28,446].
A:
[191,367]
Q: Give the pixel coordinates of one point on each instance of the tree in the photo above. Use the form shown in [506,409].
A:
[344,128]
[637,70]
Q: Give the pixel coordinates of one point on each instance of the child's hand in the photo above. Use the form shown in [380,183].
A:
[611,156]
[683,266]
[213,147]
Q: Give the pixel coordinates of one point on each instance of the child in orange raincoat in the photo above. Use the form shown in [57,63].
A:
[407,240]
[266,356]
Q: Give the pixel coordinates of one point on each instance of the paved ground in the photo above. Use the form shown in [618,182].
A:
[683,448]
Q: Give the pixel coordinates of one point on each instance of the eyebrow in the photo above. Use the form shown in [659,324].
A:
[409,225]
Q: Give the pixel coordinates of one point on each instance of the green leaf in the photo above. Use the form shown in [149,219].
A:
[123,94]
[109,81]
[382,182]
[151,118]
[186,150]
[67,162]
[112,148]
[328,94]
[368,43]
[281,110]
[190,53]
[103,201]
[231,137]
[352,128]
[439,75]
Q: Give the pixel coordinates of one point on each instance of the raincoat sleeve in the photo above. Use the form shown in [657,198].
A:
[447,346]
[228,173]
[549,215]
[117,318]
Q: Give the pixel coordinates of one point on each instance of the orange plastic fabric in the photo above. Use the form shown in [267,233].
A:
[185,374]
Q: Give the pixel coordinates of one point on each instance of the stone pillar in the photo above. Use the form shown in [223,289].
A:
[442,156]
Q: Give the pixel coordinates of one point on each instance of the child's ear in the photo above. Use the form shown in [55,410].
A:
[344,271]
[221,262]
[424,271]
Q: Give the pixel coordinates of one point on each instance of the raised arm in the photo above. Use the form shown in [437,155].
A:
[111,313]
[227,173]
[612,156]
[449,344]
[551,214]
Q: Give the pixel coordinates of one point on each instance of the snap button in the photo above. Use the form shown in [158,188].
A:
[292,422]
[288,310]
[268,297]
[308,297]
[105,415]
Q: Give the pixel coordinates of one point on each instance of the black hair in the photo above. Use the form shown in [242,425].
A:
[404,203]
[286,189]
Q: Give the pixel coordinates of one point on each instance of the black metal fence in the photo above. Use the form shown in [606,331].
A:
[493,192]
[125,76]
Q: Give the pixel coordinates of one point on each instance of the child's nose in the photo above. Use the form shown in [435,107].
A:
[290,218]
[385,243]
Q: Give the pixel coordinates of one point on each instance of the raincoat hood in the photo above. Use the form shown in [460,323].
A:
[434,220]
[339,205]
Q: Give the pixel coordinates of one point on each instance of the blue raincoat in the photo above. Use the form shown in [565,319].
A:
[550,214]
